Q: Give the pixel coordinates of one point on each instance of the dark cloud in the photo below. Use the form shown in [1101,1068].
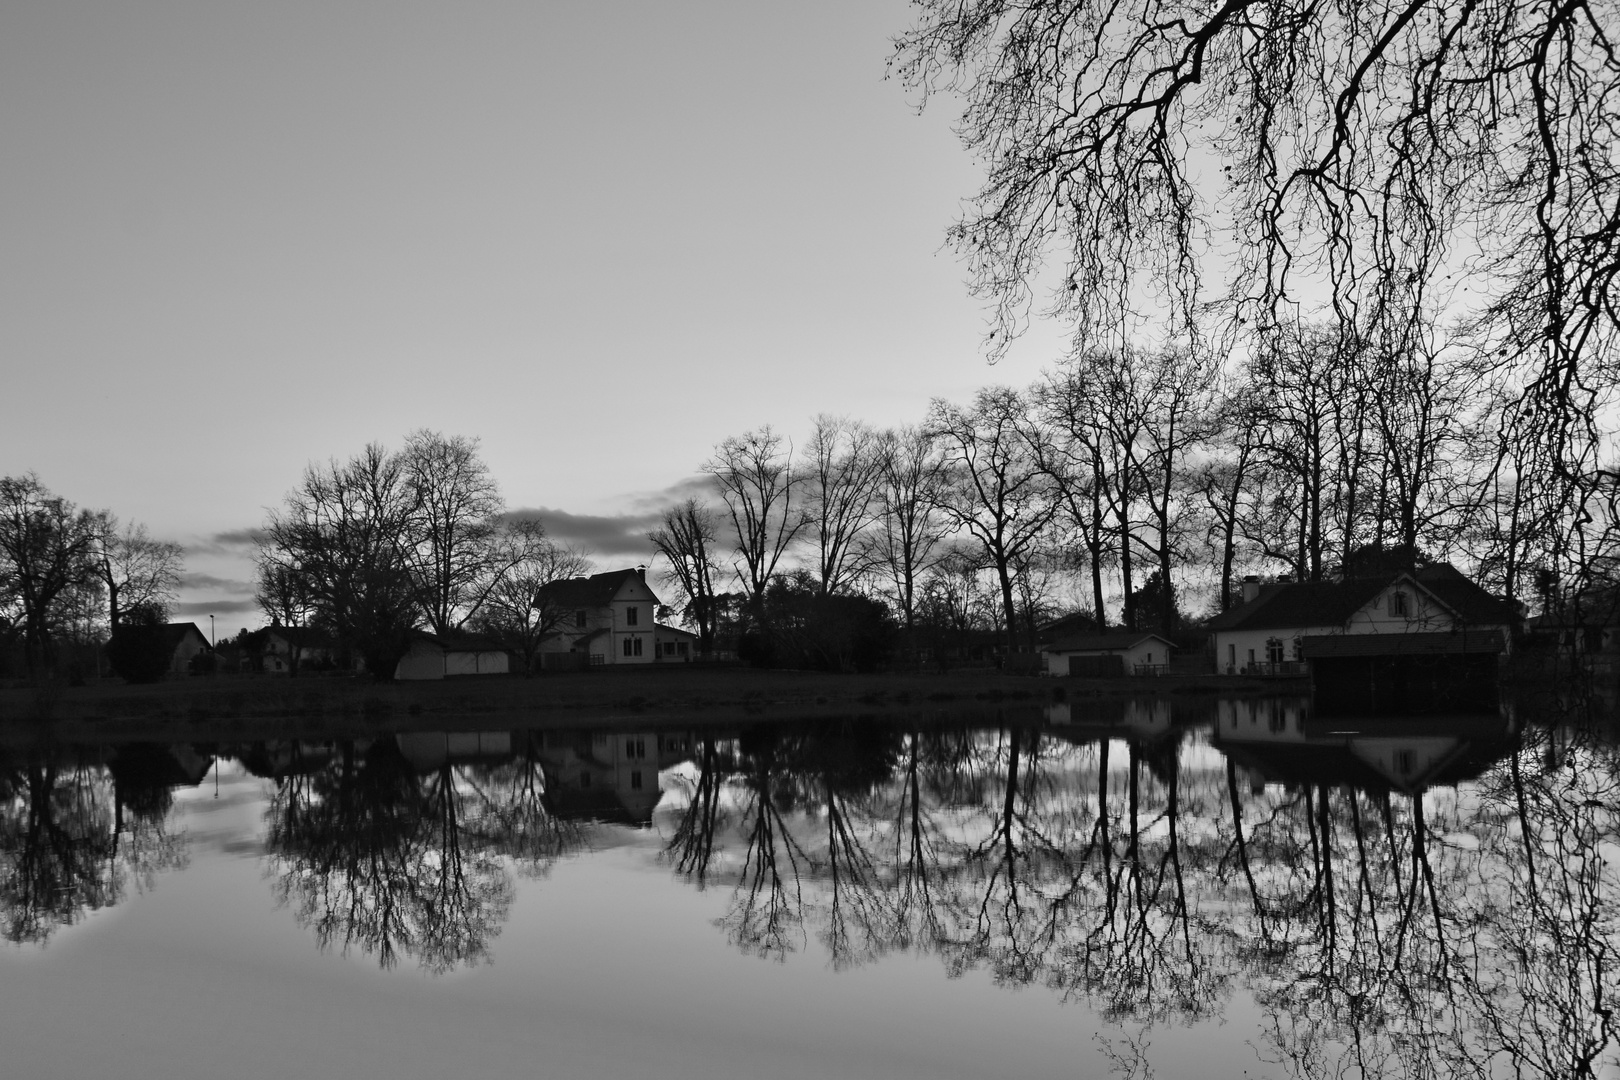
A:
[604,536]
[618,537]
[229,542]
[218,584]
[700,487]
[216,607]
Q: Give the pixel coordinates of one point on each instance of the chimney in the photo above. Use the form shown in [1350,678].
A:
[1251,587]
[641,571]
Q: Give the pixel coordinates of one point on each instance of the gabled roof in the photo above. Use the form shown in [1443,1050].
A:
[303,637]
[1104,642]
[1294,605]
[588,592]
[459,641]
[1287,605]
[1077,623]
[175,632]
[1472,604]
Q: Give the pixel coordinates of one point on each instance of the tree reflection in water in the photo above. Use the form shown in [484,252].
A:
[1433,899]
[1397,902]
[370,850]
[78,829]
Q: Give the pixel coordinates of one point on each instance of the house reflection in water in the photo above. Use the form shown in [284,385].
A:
[1141,719]
[608,776]
[1278,740]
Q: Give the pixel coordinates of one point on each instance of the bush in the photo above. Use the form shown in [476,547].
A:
[139,654]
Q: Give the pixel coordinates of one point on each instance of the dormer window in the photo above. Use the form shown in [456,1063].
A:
[631,614]
[1398,604]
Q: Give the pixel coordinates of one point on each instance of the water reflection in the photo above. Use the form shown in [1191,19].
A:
[78,829]
[1424,897]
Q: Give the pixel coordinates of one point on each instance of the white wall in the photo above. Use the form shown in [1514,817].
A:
[423,660]
[1226,641]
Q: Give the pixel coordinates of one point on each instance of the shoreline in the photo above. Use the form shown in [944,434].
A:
[670,694]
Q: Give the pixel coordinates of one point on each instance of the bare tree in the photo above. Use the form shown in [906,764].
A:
[841,478]
[1221,479]
[1397,156]
[516,609]
[998,492]
[347,529]
[757,481]
[685,537]
[909,527]
[134,569]
[453,551]
[47,547]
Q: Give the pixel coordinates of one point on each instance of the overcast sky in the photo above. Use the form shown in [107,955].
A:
[599,236]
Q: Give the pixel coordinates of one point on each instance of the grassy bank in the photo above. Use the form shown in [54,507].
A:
[687,693]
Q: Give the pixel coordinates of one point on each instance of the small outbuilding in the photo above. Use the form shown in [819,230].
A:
[1107,654]
[442,656]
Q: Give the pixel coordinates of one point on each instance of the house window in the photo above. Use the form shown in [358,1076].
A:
[635,780]
[579,617]
[637,642]
[1398,604]
[1274,650]
[1231,656]
[635,748]
[1251,656]
[631,615]
[597,658]
[627,646]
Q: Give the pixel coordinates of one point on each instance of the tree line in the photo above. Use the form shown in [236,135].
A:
[1135,486]
[73,580]
[1132,487]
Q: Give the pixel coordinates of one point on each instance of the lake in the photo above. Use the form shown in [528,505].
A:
[1158,887]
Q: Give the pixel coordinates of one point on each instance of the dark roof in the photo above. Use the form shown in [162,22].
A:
[667,629]
[593,591]
[1283,605]
[1104,642]
[1318,646]
[1077,623]
[1472,604]
[175,632]
[460,641]
[303,637]
[1287,605]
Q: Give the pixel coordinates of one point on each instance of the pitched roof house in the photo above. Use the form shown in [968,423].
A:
[1135,651]
[1402,609]
[1426,637]
[186,642]
[609,617]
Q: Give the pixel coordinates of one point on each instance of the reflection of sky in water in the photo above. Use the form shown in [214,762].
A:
[610,966]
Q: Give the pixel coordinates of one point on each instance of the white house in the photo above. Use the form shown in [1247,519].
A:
[286,645]
[1136,651]
[1269,628]
[439,656]
[186,642]
[610,617]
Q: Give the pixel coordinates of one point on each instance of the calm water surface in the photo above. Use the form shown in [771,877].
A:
[1131,890]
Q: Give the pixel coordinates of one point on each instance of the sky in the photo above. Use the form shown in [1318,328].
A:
[598,236]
